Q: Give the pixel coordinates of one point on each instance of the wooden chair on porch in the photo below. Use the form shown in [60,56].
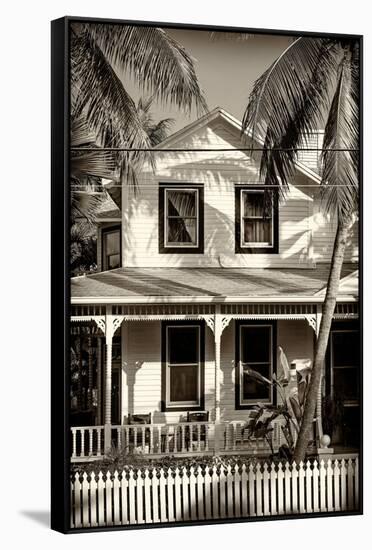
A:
[139,438]
[195,437]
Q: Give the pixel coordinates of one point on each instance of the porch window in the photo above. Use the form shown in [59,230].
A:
[256,221]
[182,354]
[254,350]
[180,219]
[111,248]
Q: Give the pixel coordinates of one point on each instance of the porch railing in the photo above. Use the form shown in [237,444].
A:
[182,438]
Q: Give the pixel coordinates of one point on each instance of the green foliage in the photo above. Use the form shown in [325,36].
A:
[122,461]
[289,411]
[83,249]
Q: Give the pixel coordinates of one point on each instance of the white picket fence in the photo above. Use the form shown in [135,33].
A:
[152,496]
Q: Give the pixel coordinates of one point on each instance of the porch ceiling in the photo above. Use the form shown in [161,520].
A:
[209,283]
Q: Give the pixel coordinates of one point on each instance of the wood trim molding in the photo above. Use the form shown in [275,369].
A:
[163,404]
[255,250]
[200,229]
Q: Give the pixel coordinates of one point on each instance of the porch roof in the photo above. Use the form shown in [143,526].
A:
[138,285]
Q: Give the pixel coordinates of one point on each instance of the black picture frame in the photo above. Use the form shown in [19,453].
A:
[60,288]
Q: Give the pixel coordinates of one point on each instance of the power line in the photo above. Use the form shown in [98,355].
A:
[218,150]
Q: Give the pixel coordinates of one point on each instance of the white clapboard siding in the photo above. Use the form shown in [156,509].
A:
[218,172]
[141,387]
[141,384]
[166,495]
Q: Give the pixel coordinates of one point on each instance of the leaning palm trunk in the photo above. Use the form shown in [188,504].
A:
[328,309]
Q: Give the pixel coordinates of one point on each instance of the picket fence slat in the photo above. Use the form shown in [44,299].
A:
[184,494]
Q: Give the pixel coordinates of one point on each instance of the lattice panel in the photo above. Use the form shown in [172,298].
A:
[163,309]
[347,310]
[268,309]
[88,310]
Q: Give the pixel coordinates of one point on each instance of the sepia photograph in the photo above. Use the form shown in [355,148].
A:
[214,349]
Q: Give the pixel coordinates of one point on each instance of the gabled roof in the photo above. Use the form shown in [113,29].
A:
[210,117]
[142,285]
[108,211]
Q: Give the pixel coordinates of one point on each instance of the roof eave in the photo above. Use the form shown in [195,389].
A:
[207,299]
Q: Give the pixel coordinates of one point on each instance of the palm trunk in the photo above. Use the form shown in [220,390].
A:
[322,341]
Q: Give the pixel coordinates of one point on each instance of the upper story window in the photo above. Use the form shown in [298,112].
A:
[255,345]
[111,248]
[181,219]
[256,223]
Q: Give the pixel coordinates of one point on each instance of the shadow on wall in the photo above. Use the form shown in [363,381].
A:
[295,337]
[219,226]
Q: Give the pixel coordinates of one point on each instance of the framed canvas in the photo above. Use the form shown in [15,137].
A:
[206,253]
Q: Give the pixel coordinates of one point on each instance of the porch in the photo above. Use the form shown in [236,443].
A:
[224,432]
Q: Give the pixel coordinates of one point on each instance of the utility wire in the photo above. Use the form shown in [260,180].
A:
[219,150]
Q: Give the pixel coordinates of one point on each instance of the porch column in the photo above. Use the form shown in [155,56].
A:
[78,356]
[99,380]
[108,325]
[90,372]
[219,324]
[217,348]
[108,378]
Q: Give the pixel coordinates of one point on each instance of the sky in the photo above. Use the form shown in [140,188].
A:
[226,69]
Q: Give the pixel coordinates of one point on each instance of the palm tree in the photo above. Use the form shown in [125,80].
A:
[314,79]
[86,174]
[103,55]
[156,131]
[102,112]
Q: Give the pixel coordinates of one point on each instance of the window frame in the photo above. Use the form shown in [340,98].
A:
[255,248]
[166,405]
[356,368]
[241,404]
[104,232]
[182,248]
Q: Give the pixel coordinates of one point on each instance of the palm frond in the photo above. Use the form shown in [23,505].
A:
[286,104]
[156,60]
[101,165]
[158,132]
[84,205]
[340,156]
[82,134]
[102,97]
[285,87]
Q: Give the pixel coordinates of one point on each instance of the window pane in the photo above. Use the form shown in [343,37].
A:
[346,383]
[257,231]
[113,261]
[345,349]
[183,344]
[252,389]
[181,203]
[253,204]
[256,344]
[181,231]
[184,383]
[112,243]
